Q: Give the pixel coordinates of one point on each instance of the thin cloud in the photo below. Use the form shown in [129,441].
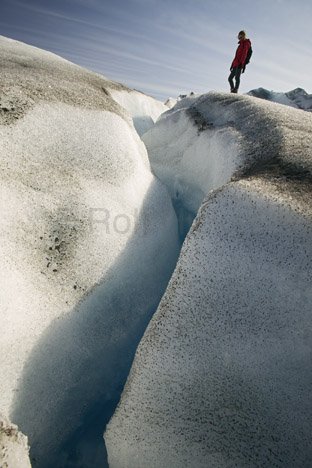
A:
[170,45]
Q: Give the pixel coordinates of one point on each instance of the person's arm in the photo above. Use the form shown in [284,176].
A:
[234,62]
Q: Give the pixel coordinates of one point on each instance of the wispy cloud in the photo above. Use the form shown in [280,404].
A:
[169,46]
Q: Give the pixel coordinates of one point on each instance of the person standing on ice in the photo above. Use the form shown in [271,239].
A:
[240,60]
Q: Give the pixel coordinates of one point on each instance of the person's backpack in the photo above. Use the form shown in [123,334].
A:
[249,54]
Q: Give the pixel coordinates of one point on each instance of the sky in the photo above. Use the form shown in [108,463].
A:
[170,47]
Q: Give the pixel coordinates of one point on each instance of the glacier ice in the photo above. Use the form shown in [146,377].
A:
[222,374]
[143,109]
[204,142]
[88,243]
[14,450]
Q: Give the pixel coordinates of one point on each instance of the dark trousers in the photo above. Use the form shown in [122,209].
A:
[235,73]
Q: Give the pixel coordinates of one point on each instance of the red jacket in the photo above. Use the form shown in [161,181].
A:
[241,53]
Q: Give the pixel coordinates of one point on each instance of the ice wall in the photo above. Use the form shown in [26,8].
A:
[144,109]
[203,142]
[222,375]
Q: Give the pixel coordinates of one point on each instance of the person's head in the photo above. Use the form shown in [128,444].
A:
[241,35]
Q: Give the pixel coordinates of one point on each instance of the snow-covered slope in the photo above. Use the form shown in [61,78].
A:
[297,98]
[13,446]
[222,375]
[88,243]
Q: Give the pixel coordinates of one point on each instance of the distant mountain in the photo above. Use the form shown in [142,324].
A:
[297,98]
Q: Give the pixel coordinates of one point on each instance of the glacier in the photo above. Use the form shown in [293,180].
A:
[222,374]
[100,185]
[203,142]
[88,243]
[143,109]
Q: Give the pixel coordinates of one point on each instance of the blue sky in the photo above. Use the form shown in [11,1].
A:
[169,47]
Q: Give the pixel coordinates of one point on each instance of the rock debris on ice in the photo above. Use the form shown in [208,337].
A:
[14,450]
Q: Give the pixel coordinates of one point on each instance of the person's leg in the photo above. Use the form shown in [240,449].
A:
[230,79]
[238,72]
